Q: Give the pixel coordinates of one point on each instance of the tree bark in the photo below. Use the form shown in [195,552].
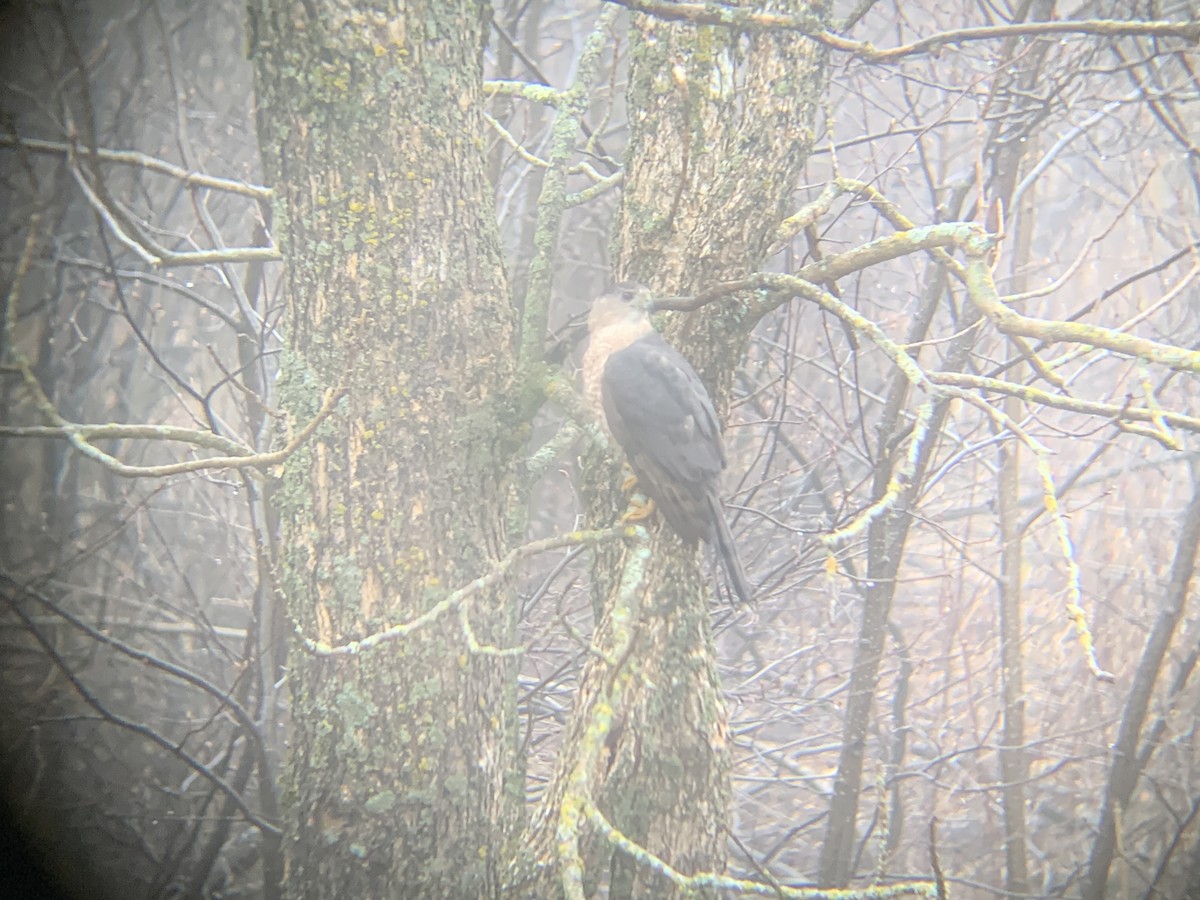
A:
[401,778]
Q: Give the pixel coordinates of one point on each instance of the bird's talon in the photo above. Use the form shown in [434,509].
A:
[638,511]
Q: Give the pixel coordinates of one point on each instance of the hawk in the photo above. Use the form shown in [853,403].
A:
[658,410]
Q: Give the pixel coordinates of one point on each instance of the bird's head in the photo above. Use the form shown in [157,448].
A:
[627,303]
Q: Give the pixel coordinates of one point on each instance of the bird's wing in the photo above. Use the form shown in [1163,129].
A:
[657,406]
[660,413]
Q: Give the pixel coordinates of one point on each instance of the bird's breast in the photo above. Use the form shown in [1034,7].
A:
[602,344]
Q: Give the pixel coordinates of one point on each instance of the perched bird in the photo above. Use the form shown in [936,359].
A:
[657,409]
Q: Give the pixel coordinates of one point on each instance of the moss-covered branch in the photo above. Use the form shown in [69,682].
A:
[982,290]
[553,201]
[457,600]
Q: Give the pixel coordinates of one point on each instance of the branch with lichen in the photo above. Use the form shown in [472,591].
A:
[1062,531]
[604,184]
[577,802]
[791,285]
[932,239]
[900,480]
[525,90]
[600,185]
[762,20]
[116,431]
[708,881]
[457,601]
[976,276]
[982,291]
[1075,612]
[976,249]
[839,187]
[1118,413]
[515,145]
[80,438]
[552,202]
[896,218]
[893,246]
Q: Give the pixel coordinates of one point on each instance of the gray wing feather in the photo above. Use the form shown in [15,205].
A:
[660,413]
[657,406]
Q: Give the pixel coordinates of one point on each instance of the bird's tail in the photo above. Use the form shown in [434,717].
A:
[727,550]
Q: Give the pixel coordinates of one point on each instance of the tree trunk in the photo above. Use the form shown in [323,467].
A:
[709,178]
[1014,760]
[401,776]
[1128,763]
[887,536]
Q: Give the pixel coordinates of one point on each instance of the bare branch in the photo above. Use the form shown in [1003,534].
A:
[141,161]
[142,730]
[762,20]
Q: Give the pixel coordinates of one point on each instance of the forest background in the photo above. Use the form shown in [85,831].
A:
[313,577]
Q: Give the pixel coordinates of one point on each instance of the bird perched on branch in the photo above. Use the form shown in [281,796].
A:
[659,412]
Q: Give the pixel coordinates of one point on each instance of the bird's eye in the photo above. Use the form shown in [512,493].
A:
[627,296]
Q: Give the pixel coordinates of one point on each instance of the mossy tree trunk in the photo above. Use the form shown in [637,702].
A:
[721,124]
[401,777]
